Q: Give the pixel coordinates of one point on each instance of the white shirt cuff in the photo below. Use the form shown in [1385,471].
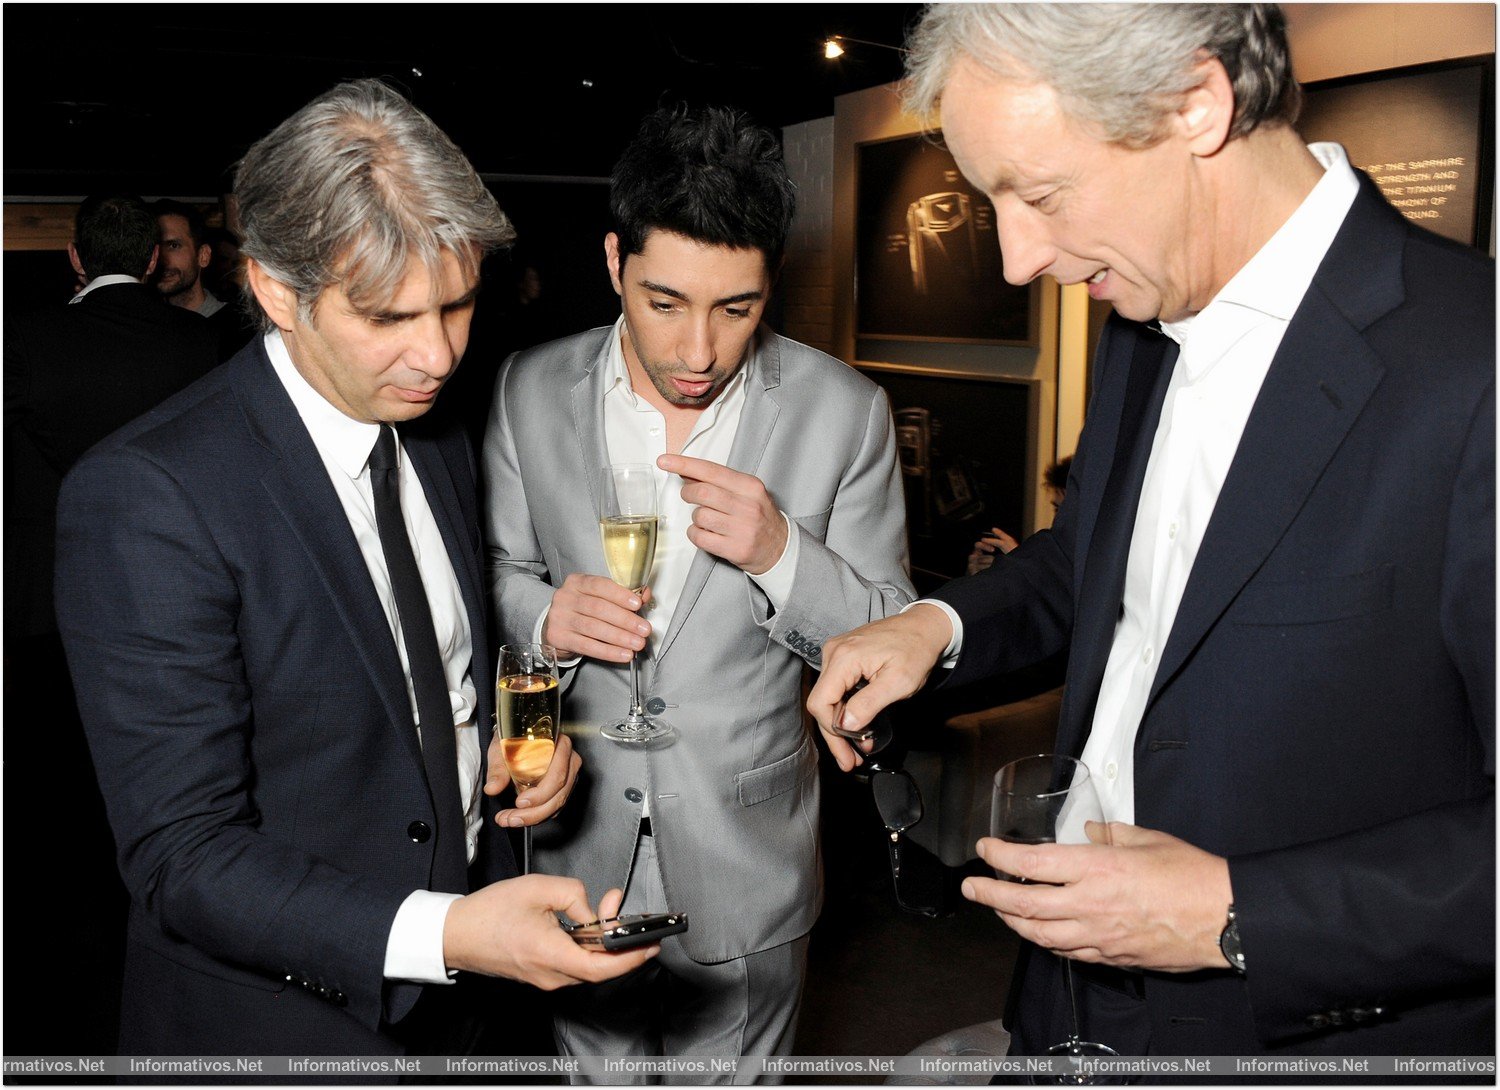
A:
[414,950]
[536,637]
[956,644]
[777,580]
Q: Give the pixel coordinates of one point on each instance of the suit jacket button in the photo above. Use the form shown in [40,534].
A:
[339,999]
[1317,1021]
[419,832]
[655,706]
[634,794]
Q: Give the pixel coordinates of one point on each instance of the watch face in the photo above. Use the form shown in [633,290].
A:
[1229,943]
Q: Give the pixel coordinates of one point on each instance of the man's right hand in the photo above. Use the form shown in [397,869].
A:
[510,929]
[893,655]
[595,617]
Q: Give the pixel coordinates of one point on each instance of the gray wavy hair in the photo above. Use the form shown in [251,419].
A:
[1125,68]
[353,187]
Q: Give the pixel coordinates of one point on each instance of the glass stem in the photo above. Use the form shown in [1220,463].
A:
[1072,996]
[637,713]
[526,849]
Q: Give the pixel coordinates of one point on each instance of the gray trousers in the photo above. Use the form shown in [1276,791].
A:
[674,1007]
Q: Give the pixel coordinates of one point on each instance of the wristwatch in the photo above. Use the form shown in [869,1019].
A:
[1229,943]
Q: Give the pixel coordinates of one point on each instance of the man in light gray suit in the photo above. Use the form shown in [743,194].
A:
[782,523]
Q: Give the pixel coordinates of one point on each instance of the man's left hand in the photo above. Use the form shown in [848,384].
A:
[1146,900]
[735,517]
[546,797]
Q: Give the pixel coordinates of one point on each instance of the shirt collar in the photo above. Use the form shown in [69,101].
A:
[617,378]
[105,281]
[344,440]
[1273,282]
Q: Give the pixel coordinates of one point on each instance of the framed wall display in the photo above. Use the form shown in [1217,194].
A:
[927,263]
[964,446]
[1423,134]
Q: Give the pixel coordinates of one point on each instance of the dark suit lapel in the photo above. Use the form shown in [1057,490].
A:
[757,422]
[299,486]
[1319,381]
[1151,366]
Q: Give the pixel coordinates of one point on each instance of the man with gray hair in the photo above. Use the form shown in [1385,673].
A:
[1273,570]
[270,593]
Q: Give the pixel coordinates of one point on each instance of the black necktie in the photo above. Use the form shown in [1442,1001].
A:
[434,709]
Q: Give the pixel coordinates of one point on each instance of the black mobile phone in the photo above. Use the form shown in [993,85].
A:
[624,932]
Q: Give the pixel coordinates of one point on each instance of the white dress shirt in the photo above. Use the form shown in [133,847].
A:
[1226,351]
[414,950]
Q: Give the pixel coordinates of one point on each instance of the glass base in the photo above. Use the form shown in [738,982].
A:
[637,730]
[1079,1074]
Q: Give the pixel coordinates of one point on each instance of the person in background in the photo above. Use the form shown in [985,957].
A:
[781,522]
[181,274]
[73,374]
[1274,570]
[1055,481]
[270,594]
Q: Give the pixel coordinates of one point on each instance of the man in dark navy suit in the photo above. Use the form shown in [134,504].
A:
[1274,567]
[269,590]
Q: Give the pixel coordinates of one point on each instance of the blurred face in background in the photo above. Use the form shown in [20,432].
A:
[181,261]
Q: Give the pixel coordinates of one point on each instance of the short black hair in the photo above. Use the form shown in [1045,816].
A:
[709,174]
[196,228]
[114,233]
[1057,474]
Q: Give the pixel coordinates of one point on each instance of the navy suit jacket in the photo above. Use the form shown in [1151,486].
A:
[1323,712]
[249,718]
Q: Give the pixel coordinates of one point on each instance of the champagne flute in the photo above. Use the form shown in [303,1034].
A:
[528,702]
[1045,799]
[627,526]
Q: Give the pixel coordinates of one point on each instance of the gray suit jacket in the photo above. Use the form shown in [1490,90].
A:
[734,800]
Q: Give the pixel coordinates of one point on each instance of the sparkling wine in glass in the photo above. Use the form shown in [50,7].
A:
[528,704]
[1048,799]
[627,527]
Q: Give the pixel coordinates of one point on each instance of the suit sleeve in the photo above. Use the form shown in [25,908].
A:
[1406,909]
[149,611]
[520,583]
[1018,611]
[858,571]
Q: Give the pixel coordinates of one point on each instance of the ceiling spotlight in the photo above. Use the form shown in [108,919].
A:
[588,83]
[416,72]
[832,49]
